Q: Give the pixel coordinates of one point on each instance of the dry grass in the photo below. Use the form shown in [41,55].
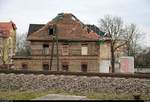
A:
[28,95]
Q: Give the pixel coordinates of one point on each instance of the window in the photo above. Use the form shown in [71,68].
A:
[84,49]
[65,67]
[51,31]
[65,49]
[45,67]
[84,67]
[24,66]
[45,45]
[65,43]
[45,49]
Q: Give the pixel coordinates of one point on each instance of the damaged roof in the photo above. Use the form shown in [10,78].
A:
[34,27]
[68,27]
[95,29]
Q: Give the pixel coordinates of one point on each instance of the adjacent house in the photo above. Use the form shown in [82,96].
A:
[80,47]
[7,42]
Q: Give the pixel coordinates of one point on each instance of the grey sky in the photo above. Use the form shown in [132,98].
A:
[24,12]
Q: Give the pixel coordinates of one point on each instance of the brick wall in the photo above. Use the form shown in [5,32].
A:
[73,62]
[74,57]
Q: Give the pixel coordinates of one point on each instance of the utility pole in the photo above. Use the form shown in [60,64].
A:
[54,39]
[51,54]
[57,50]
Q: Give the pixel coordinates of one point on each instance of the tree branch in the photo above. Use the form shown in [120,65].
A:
[120,45]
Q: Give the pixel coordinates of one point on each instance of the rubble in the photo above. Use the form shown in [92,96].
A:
[74,83]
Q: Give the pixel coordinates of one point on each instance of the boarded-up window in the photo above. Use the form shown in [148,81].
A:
[45,49]
[84,49]
[65,49]
[24,66]
[45,67]
[84,67]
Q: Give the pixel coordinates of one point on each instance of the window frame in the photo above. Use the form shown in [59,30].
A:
[83,66]
[46,49]
[51,31]
[83,46]
[24,66]
[65,49]
[65,66]
[45,68]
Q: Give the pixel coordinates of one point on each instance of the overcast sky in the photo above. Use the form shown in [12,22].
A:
[25,12]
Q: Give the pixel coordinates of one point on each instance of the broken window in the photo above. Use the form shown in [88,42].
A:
[45,67]
[65,67]
[84,67]
[24,66]
[51,31]
[45,49]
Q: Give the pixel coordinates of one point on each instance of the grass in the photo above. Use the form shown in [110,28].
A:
[110,96]
[24,95]
[28,95]
[20,95]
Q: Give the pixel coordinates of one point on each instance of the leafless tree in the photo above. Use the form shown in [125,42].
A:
[22,45]
[143,58]
[114,27]
[133,44]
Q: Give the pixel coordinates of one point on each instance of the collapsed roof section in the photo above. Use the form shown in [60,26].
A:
[34,27]
[68,27]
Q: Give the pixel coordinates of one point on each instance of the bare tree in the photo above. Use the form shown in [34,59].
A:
[113,26]
[143,59]
[133,45]
[22,45]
